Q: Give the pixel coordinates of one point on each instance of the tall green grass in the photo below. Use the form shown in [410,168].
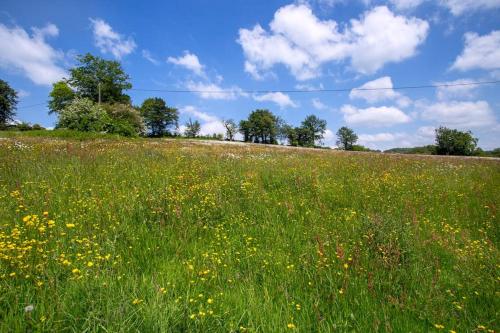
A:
[174,236]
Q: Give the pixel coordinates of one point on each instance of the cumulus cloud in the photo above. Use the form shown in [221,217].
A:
[386,140]
[379,90]
[480,52]
[457,89]
[31,55]
[149,57]
[317,104]
[283,100]
[214,91]
[189,61]
[460,114]
[209,124]
[406,4]
[458,7]
[109,41]
[374,116]
[377,38]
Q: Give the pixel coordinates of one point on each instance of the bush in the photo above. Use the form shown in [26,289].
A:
[83,115]
[124,120]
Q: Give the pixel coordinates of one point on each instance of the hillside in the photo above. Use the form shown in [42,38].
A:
[173,235]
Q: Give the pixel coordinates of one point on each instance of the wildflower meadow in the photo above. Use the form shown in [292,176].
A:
[136,235]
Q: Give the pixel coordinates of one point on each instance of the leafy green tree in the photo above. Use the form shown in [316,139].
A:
[124,119]
[93,72]
[8,103]
[192,128]
[313,130]
[263,126]
[60,96]
[83,115]
[244,128]
[346,138]
[231,129]
[159,118]
[454,142]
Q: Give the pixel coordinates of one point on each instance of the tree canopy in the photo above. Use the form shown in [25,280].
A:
[92,72]
[261,127]
[158,118]
[455,142]
[192,128]
[60,96]
[346,138]
[8,103]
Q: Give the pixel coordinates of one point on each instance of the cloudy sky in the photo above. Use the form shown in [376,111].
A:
[224,50]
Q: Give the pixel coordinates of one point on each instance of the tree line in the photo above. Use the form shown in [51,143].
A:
[93,99]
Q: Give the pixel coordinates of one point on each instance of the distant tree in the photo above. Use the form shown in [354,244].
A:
[346,138]
[192,128]
[454,142]
[124,119]
[93,72]
[244,128]
[158,117]
[263,126]
[60,96]
[82,114]
[231,129]
[313,130]
[8,103]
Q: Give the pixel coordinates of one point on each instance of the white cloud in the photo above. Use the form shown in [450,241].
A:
[457,89]
[209,124]
[379,90]
[109,41]
[377,38]
[31,55]
[458,7]
[374,116]
[387,140]
[318,105]
[149,57]
[462,115]
[283,100]
[480,52]
[214,91]
[189,61]
[406,4]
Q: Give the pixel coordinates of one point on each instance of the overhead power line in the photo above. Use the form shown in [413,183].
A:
[291,91]
[299,91]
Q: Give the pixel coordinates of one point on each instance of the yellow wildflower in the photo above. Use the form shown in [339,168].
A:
[290,326]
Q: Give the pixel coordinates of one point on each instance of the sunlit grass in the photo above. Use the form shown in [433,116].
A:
[155,235]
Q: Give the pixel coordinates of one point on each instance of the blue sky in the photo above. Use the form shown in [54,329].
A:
[235,46]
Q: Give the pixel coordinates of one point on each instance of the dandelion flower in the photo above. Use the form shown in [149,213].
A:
[70,225]
[290,326]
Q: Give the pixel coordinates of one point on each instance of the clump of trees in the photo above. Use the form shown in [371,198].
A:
[262,126]
[346,138]
[192,129]
[455,142]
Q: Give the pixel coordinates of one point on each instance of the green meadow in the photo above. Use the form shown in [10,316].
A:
[153,235]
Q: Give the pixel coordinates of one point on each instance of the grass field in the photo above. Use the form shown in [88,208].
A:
[170,236]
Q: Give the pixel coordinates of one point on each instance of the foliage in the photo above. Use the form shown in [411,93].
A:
[92,72]
[454,142]
[83,115]
[8,103]
[124,119]
[261,127]
[172,236]
[312,131]
[231,129]
[159,118]
[346,138]
[60,96]
[425,150]
[192,129]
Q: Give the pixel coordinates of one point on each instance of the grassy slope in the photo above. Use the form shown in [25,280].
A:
[150,235]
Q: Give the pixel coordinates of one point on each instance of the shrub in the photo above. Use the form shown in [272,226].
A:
[83,115]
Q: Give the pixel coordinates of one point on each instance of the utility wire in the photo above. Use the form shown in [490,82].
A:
[300,91]
[228,91]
